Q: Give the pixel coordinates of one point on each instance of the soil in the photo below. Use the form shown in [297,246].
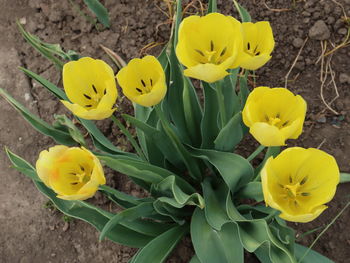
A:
[31,232]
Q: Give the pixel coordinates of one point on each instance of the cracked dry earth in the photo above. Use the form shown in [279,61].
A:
[32,233]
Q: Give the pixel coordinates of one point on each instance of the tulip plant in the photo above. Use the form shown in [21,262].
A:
[185,148]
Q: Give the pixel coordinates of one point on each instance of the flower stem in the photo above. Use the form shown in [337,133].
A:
[221,103]
[256,152]
[324,231]
[129,137]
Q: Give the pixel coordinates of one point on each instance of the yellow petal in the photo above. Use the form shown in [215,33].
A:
[100,113]
[304,218]
[253,63]
[267,135]
[206,72]
[250,114]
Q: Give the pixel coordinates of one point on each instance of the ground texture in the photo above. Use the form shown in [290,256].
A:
[31,232]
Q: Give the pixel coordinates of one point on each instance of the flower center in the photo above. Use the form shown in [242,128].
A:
[252,51]
[276,121]
[81,177]
[94,97]
[293,190]
[211,55]
[145,87]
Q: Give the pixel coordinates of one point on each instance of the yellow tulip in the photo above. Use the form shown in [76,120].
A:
[143,81]
[90,86]
[209,45]
[72,173]
[258,43]
[274,115]
[298,182]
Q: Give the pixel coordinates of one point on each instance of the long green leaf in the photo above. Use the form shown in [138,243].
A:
[231,98]
[130,214]
[211,245]
[252,190]
[59,136]
[99,10]
[159,248]
[22,165]
[244,14]
[143,171]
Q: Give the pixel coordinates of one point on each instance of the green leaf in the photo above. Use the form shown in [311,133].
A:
[232,103]
[99,10]
[215,204]
[40,125]
[271,151]
[130,214]
[176,192]
[47,50]
[120,198]
[159,248]
[311,257]
[244,14]
[211,245]
[209,125]
[22,165]
[230,135]
[194,259]
[193,112]
[344,177]
[143,171]
[177,215]
[233,168]
[252,190]
[63,123]
[244,89]
[212,6]
[156,136]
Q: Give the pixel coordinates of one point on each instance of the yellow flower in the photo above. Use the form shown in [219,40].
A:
[73,173]
[209,45]
[298,182]
[274,115]
[90,86]
[143,81]
[258,43]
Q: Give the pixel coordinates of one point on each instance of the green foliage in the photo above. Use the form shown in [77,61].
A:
[99,10]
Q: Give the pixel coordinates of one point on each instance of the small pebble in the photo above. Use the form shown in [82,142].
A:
[344,78]
[319,31]
[298,42]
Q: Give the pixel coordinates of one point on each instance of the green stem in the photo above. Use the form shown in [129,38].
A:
[221,103]
[129,137]
[256,152]
[324,231]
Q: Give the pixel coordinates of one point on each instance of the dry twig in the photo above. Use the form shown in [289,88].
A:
[295,61]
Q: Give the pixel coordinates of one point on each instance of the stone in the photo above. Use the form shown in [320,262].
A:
[344,78]
[298,42]
[319,31]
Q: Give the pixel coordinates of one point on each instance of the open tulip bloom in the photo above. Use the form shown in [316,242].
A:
[90,86]
[186,157]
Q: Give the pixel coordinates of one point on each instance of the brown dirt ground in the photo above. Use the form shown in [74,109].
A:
[32,233]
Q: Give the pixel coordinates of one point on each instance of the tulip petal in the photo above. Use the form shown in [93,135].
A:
[267,135]
[98,113]
[304,218]
[207,72]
